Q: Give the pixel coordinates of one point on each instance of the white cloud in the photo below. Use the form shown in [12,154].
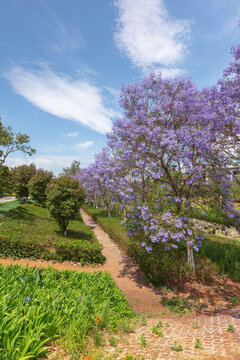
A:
[50,162]
[73,134]
[67,98]
[84,145]
[149,36]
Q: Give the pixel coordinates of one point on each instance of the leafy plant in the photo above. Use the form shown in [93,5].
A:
[180,305]
[195,325]
[157,329]
[143,341]
[176,346]
[112,341]
[198,344]
[230,328]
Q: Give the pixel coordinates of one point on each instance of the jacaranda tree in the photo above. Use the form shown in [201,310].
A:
[173,149]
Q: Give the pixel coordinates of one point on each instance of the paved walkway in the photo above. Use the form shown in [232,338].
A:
[7,198]
[218,343]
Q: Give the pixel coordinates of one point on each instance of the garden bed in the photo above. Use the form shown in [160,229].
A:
[38,306]
[29,232]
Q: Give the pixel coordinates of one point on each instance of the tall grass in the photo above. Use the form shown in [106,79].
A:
[37,307]
[226,254]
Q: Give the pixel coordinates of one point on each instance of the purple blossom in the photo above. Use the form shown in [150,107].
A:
[8,297]
[28,298]
[148,248]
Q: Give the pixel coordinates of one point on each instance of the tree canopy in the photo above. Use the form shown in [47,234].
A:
[11,142]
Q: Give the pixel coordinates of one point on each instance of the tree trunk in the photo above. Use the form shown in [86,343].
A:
[190,256]
[65,232]
[124,214]
[109,215]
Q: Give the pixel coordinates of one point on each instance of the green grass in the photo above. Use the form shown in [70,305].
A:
[225,253]
[62,305]
[4,207]
[28,231]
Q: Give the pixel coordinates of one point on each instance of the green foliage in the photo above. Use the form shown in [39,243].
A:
[64,198]
[112,341]
[142,340]
[38,184]
[157,329]
[5,180]
[234,300]
[198,344]
[230,328]
[11,142]
[176,346]
[181,305]
[20,178]
[72,170]
[225,253]
[29,232]
[37,306]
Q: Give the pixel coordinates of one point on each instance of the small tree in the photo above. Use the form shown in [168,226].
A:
[64,198]
[38,184]
[20,178]
[11,142]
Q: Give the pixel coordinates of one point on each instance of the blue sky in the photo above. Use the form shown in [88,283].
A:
[63,62]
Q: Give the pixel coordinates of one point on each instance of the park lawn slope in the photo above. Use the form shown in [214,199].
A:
[38,306]
[29,232]
[168,267]
[8,205]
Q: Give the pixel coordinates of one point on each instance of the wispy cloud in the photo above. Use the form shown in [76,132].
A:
[60,95]
[149,36]
[73,134]
[83,145]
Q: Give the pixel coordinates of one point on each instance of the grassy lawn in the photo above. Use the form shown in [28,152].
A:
[28,231]
[221,251]
[39,306]
[4,207]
